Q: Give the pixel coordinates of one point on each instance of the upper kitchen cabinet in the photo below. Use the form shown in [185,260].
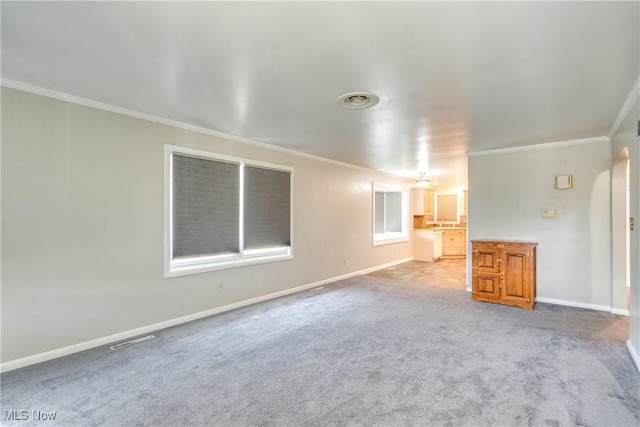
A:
[423,202]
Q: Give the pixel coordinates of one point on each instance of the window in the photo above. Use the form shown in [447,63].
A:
[390,210]
[224,212]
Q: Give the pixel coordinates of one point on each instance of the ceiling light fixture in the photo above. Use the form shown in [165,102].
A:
[422,181]
[358,100]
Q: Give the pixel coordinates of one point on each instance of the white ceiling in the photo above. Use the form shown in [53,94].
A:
[453,77]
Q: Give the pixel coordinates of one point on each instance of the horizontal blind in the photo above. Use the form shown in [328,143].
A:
[267,208]
[206,207]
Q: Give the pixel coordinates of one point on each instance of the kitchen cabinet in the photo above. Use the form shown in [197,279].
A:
[504,272]
[454,243]
[427,245]
[423,201]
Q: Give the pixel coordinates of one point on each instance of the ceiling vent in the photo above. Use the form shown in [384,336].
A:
[358,100]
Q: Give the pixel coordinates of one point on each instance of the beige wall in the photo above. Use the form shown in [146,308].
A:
[83,224]
[507,192]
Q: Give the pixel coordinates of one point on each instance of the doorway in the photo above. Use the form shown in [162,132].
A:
[620,250]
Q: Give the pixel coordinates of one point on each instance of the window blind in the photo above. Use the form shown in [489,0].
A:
[205,207]
[267,208]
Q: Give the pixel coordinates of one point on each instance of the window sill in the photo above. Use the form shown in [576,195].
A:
[390,240]
[184,270]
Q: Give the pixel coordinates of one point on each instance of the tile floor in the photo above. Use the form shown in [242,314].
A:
[448,273]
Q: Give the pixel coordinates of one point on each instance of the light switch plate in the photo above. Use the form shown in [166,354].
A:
[548,213]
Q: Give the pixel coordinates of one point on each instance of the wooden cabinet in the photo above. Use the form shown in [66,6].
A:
[454,243]
[429,203]
[423,202]
[417,196]
[504,272]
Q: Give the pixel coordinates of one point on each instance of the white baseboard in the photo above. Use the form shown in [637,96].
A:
[76,348]
[574,304]
[619,311]
[634,355]
[610,309]
[376,268]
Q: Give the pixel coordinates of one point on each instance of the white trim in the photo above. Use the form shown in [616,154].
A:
[574,304]
[634,355]
[195,265]
[388,238]
[597,139]
[620,312]
[76,348]
[626,107]
[25,87]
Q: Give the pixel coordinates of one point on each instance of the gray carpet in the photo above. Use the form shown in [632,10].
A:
[363,351]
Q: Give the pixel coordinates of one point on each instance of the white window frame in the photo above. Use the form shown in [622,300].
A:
[201,264]
[387,238]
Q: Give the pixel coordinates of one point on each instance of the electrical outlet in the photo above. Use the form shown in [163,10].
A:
[220,286]
[344,261]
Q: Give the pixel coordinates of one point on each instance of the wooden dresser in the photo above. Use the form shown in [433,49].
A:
[504,272]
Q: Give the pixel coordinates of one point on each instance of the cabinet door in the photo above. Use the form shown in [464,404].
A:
[485,287]
[460,243]
[518,276]
[417,194]
[486,258]
[429,203]
[485,281]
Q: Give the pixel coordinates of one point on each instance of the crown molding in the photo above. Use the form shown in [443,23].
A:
[626,107]
[597,139]
[37,90]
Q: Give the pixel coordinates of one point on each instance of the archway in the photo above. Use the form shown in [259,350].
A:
[620,280]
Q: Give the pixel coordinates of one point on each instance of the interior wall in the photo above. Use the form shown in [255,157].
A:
[83,226]
[627,137]
[507,193]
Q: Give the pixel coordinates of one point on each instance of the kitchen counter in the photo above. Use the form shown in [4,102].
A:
[440,228]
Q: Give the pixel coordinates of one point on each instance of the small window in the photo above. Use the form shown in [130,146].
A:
[390,210]
[224,212]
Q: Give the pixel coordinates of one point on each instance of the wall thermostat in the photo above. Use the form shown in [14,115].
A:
[564,182]
[548,213]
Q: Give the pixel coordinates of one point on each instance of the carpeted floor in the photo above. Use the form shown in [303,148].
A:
[367,351]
